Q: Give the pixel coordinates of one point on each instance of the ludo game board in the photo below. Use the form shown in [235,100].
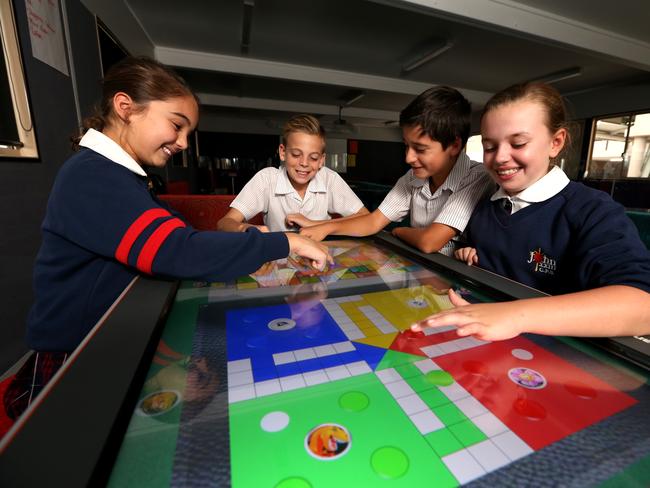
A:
[323,387]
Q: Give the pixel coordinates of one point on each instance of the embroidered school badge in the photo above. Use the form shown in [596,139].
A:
[541,262]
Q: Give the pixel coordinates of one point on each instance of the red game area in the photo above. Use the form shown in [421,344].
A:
[538,395]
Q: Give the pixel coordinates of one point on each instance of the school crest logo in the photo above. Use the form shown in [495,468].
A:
[541,262]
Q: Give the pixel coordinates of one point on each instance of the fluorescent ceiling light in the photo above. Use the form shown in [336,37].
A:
[559,75]
[440,46]
[351,97]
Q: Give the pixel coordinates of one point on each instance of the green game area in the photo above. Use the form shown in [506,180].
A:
[385,450]
[147,453]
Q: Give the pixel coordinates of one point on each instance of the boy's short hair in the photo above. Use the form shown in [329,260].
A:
[307,124]
[442,112]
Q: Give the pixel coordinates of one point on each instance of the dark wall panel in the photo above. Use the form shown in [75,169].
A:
[25,186]
[378,162]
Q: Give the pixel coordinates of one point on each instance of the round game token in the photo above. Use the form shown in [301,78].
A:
[439,378]
[389,462]
[294,483]
[158,402]
[418,302]
[327,442]
[522,354]
[282,324]
[528,378]
[354,401]
[530,409]
[274,421]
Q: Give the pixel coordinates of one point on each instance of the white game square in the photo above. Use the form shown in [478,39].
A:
[399,388]
[358,368]
[388,375]
[488,455]
[426,365]
[315,377]
[342,347]
[241,378]
[512,445]
[283,358]
[412,404]
[292,382]
[426,421]
[337,373]
[304,354]
[240,393]
[267,387]
[239,365]
[326,350]
[463,466]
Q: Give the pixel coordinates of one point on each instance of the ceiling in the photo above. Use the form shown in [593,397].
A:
[266,59]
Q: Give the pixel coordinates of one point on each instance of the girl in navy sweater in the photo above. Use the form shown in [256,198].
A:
[545,231]
[103,227]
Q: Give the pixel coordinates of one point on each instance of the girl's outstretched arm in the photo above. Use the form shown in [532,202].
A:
[616,310]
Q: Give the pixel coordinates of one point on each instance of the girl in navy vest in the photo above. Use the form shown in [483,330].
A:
[545,231]
[103,227]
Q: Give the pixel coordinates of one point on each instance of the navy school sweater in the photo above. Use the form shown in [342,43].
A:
[102,227]
[579,239]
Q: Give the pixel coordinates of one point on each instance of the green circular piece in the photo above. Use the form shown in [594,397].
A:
[389,462]
[439,378]
[293,483]
[354,401]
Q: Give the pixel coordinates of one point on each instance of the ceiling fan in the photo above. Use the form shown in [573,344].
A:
[340,125]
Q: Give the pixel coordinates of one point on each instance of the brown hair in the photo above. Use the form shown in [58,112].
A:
[144,80]
[442,113]
[307,124]
[546,95]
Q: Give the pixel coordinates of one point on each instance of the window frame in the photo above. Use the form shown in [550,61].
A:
[17,86]
[592,139]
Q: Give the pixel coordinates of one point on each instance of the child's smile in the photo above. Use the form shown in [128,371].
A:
[155,134]
[303,156]
[517,145]
[427,157]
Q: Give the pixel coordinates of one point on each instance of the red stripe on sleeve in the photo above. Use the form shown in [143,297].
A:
[134,231]
[150,248]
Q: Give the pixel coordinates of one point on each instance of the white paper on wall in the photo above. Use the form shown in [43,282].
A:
[46,33]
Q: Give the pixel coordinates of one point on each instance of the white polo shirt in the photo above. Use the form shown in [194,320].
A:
[270,191]
[451,204]
[546,187]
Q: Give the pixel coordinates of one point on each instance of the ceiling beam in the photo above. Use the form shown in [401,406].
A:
[212,99]
[122,21]
[295,72]
[529,22]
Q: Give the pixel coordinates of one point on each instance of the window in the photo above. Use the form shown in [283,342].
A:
[17,138]
[474,148]
[620,147]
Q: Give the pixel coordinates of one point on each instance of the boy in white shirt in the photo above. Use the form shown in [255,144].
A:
[442,187]
[301,192]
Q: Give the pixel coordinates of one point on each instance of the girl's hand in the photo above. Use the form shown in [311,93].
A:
[467,254]
[485,321]
[317,232]
[315,252]
[299,219]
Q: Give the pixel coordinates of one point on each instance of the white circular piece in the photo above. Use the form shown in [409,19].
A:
[418,302]
[282,324]
[274,421]
[522,354]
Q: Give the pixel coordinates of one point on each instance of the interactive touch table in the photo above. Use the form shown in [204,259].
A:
[290,378]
